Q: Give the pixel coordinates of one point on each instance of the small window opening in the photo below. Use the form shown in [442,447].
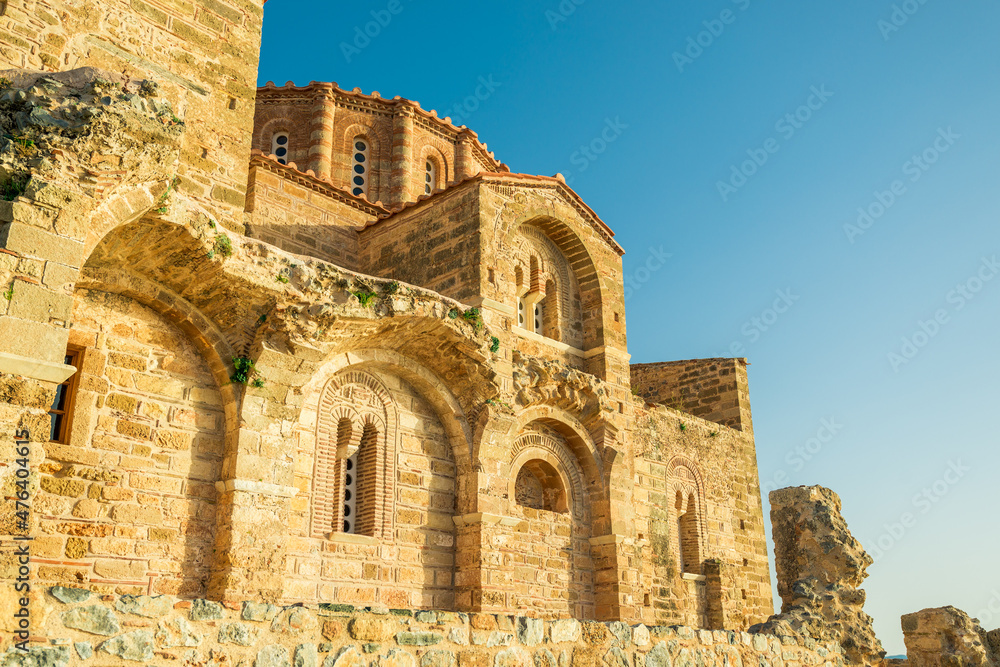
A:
[61,412]
[279,146]
[430,177]
[359,177]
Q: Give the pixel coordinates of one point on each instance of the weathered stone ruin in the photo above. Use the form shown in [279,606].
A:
[946,637]
[820,567]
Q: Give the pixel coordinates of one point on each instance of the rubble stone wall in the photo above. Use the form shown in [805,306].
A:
[202,54]
[86,629]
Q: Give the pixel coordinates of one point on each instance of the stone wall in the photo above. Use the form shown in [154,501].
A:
[713,389]
[729,585]
[202,54]
[128,502]
[75,627]
[820,567]
[303,215]
[434,246]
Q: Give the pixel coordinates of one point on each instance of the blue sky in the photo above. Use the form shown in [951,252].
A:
[894,109]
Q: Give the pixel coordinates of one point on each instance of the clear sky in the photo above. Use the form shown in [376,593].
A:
[878,377]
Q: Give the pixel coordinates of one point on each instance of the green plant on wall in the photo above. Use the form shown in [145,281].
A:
[222,245]
[15,186]
[494,344]
[473,317]
[365,297]
[243,368]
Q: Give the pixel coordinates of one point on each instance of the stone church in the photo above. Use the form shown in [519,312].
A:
[300,344]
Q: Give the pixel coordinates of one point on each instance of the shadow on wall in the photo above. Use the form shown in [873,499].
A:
[148,409]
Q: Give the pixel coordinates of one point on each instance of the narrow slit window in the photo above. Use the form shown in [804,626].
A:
[60,414]
[430,177]
[351,493]
[279,146]
[361,168]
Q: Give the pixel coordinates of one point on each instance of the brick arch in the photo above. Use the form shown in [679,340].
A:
[262,141]
[531,248]
[683,476]
[431,387]
[379,155]
[541,446]
[329,461]
[581,264]
[578,440]
[446,171]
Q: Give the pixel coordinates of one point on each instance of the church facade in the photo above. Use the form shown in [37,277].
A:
[303,344]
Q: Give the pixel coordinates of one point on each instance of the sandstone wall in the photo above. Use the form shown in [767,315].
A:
[713,389]
[203,55]
[128,503]
[437,247]
[415,565]
[304,215]
[87,629]
[678,455]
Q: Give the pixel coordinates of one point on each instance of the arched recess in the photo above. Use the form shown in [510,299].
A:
[581,265]
[549,556]
[142,392]
[580,442]
[423,484]
[262,141]
[444,170]
[363,400]
[431,387]
[686,505]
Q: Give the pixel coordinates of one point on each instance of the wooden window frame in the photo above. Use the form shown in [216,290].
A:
[74,357]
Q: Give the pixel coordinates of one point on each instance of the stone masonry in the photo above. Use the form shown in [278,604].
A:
[275,361]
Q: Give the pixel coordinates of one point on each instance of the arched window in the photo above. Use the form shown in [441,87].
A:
[361,169]
[279,146]
[367,481]
[430,177]
[687,533]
